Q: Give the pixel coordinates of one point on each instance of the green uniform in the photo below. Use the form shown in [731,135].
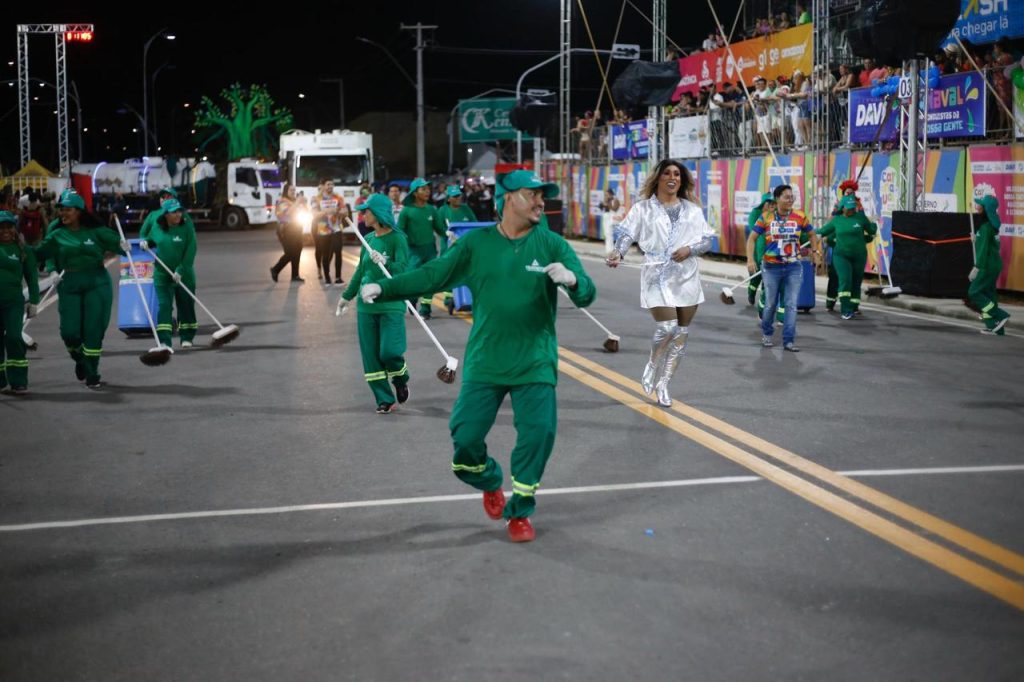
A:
[849,256]
[752,285]
[381,323]
[17,265]
[420,225]
[152,217]
[512,349]
[176,246]
[85,293]
[447,214]
[982,291]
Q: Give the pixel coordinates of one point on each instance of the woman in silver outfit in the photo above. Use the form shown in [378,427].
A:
[669,226]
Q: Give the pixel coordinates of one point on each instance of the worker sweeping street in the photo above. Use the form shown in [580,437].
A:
[17,266]
[852,232]
[163,195]
[988,263]
[421,225]
[381,323]
[767,205]
[454,211]
[847,188]
[513,270]
[77,246]
[174,240]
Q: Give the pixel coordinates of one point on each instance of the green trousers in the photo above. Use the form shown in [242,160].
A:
[982,293]
[85,300]
[382,345]
[535,416]
[418,255]
[168,294]
[850,269]
[13,365]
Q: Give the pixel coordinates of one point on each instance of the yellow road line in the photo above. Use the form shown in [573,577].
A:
[953,533]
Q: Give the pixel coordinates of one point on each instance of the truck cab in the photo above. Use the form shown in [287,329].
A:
[253,188]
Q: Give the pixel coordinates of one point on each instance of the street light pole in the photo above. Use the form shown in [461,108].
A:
[420,126]
[145,88]
[156,112]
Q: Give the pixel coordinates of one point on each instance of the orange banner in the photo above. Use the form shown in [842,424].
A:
[779,54]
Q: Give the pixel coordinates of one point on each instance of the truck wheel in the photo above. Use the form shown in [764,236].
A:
[235,219]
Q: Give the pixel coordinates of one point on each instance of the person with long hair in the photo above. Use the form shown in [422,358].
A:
[669,226]
[289,231]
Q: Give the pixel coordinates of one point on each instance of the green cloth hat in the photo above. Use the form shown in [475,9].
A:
[991,205]
[410,198]
[171,205]
[453,191]
[520,179]
[168,190]
[765,198]
[71,199]
[8,217]
[849,202]
[380,206]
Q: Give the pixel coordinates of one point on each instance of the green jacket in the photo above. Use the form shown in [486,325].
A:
[513,338]
[78,250]
[176,246]
[986,246]
[396,247]
[850,234]
[17,265]
[153,216]
[419,225]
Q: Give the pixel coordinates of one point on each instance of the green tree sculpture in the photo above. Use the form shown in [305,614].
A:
[247,123]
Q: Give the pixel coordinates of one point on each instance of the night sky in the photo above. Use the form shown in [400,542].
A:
[291,51]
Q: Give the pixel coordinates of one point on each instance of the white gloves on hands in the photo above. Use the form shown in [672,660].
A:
[378,257]
[560,274]
[451,235]
[369,293]
[30,310]
[342,308]
[144,244]
[973,275]
[176,277]
[125,246]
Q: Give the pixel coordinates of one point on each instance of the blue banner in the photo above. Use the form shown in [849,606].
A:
[956,108]
[986,21]
[630,141]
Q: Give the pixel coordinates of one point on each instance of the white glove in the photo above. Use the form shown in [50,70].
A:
[30,310]
[560,274]
[973,275]
[125,246]
[451,235]
[342,308]
[176,277]
[378,257]
[369,292]
[144,244]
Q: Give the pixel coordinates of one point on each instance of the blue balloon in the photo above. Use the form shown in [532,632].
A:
[877,92]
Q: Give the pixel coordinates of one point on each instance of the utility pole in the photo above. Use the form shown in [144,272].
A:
[341,98]
[421,162]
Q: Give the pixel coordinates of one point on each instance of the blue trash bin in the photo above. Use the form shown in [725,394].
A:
[461,294]
[131,314]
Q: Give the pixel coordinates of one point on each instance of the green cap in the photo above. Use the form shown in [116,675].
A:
[168,190]
[380,206]
[520,179]
[453,191]
[171,205]
[71,199]
[8,217]
[765,198]
[410,198]
[848,203]
[991,205]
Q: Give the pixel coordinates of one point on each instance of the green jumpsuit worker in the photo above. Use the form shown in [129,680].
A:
[851,232]
[767,204]
[151,217]
[454,211]
[988,263]
[381,324]
[847,188]
[77,246]
[420,224]
[17,265]
[174,239]
[513,270]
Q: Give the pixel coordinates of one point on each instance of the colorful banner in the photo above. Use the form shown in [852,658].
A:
[986,21]
[999,171]
[485,120]
[779,54]
[630,141]
[688,137]
[956,108]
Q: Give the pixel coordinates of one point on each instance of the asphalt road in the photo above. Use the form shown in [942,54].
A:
[850,512]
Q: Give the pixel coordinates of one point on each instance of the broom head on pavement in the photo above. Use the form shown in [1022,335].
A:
[225,335]
[154,357]
[726,296]
[447,373]
[30,343]
[611,344]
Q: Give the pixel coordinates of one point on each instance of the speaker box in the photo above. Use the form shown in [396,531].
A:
[553,211]
[931,253]
[891,31]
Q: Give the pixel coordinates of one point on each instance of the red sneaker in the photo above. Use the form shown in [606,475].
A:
[520,530]
[494,503]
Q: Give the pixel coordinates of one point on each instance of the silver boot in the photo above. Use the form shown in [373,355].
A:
[676,350]
[660,342]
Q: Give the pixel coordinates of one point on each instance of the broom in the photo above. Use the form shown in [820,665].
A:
[30,343]
[447,372]
[611,344]
[221,337]
[161,354]
[882,291]
[726,295]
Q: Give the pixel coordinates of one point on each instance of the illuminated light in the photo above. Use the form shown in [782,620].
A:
[302,96]
[35,98]
[135,130]
[10,63]
[78,36]
[42,85]
[171,36]
[205,158]
[85,130]
[96,171]
[193,131]
[187,105]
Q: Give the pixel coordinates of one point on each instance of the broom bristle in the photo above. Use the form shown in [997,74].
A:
[155,357]
[222,337]
[611,345]
[726,298]
[446,375]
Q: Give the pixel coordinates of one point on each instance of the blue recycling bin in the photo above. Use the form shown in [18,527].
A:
[461,294]
[131,314]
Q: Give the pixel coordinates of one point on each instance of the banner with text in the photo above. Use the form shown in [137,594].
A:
[630,141]
[688,137]
[486,120]
[986,21]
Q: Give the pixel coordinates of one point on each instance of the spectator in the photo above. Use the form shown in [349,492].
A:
[783,23]
[764,28]
[799,99]
[762,102]
[865,73]
[803,16]
[30,220]
[841,91]
[709,43]
[611,203]
[1001,58]
[585,129]
[719,41]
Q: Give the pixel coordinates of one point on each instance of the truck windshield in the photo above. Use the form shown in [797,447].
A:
[271,177]
[344,170]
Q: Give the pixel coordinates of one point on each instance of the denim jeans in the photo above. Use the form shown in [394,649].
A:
[772,276]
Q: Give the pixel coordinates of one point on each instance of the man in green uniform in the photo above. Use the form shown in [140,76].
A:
[381,323]
[175,241]
[77,245]
[453,212]
[420,224]
[988,263]
[17,265]
[513,271]
[767,204]
[851,233]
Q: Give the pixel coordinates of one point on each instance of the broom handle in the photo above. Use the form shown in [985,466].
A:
[135,276]
[182,285]
[974,249]
[408,305]
[878,134]
[587,313]
[744,281]
[43,300]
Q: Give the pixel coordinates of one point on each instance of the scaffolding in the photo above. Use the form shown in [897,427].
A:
[820,204]
[913,156]
[656,115]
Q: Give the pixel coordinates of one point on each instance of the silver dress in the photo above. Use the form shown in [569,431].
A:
[659,232]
